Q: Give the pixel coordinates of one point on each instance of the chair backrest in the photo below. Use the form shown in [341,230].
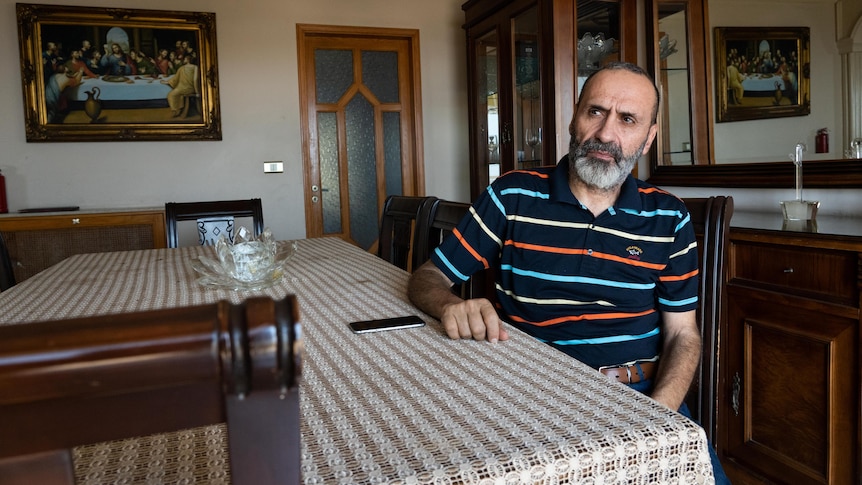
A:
[213,218]
[397,228]
[711,219]
[7,275]
[81,381]
[437,219]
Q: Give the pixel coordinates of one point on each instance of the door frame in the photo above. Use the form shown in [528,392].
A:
[411,150]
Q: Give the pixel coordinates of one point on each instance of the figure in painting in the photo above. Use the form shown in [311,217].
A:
[51,60]
[56,103]
[184,82]
[734,81]
[77,63]
[162,62]
[145,65]
[115,62]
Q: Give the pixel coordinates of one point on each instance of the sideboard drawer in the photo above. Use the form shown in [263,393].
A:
[827,272]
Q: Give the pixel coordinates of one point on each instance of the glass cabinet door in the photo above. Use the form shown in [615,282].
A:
[601,37]
[487,79]
[527,125]
[677,31]
[506,92]
[672,73]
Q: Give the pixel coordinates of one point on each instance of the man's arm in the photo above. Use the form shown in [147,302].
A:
[680,356]
[431,291]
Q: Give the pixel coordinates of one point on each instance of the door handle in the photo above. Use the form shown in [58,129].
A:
[737,388]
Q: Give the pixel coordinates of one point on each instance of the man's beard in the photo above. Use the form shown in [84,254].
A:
[598,173]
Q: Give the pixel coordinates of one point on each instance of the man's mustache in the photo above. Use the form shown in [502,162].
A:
[594,145]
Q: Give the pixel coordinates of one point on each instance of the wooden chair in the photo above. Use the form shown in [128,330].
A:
[437,219]
[69,383]
[213,218]
[711,219]
[7,275]
[397,225]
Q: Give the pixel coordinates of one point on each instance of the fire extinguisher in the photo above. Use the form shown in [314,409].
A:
[821,141]
[4,208]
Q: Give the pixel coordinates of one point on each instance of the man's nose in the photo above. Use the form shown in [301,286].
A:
[606,130]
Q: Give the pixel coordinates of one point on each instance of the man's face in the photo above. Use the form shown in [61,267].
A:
[612,128]
[115,48]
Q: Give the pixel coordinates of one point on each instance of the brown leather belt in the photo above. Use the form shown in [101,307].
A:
[628,374]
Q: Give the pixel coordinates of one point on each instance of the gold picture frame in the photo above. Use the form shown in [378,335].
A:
[118,74]
[762,72]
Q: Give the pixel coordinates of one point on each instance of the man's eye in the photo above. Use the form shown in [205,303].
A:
[628,120]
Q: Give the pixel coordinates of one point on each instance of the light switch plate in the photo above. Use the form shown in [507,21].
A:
[273,167]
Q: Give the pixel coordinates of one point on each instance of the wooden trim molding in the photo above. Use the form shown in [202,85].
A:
[816,174]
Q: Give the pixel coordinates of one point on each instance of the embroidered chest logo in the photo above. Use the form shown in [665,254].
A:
[634,252]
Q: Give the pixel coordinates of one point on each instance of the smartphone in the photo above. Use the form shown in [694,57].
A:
[367,326]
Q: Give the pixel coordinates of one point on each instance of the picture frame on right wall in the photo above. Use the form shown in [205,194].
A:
[762,72]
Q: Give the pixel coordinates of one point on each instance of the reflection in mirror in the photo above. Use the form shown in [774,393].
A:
[754,153]
[675,143]
[772,139]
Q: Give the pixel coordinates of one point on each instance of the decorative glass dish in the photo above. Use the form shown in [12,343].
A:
[246,264]
[592,49]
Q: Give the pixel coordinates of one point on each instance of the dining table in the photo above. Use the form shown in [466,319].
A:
[406,406]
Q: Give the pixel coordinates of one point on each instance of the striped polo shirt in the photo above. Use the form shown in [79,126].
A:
[592,287]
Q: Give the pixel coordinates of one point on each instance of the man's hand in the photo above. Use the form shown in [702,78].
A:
[475,319]
[431,291]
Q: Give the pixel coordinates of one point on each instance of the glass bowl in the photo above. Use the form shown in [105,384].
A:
[245,264]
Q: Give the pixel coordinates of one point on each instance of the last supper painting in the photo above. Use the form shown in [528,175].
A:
[94,74]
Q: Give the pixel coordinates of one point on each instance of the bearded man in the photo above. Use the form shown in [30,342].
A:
[587,258]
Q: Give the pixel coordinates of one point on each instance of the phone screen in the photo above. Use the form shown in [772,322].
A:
[386,324]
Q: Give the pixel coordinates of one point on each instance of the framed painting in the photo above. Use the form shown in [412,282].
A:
[115,74]
[762,72]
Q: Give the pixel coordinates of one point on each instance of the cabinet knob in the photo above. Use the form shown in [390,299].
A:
[76,221]
[788,270]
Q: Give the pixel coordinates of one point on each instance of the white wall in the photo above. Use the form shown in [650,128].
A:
[259,107]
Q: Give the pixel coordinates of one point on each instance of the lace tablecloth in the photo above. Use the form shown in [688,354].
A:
[404,406]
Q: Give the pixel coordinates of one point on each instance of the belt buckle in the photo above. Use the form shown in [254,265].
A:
[628,369]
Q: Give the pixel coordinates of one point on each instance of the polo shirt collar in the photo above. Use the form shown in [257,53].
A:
[560,192]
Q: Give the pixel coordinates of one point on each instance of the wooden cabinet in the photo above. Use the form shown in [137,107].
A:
[521,79]
[790,401]
[528,59]
[37,241]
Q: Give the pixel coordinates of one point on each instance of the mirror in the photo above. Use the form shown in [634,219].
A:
[755,153]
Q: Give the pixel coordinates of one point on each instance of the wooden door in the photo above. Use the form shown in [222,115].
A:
[361,126]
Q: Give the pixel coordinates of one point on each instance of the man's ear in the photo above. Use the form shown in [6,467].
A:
[650,138]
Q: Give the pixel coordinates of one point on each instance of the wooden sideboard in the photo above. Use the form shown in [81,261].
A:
[39,240]
[789,400]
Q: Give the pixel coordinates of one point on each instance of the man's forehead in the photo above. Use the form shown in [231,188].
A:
[623,90]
